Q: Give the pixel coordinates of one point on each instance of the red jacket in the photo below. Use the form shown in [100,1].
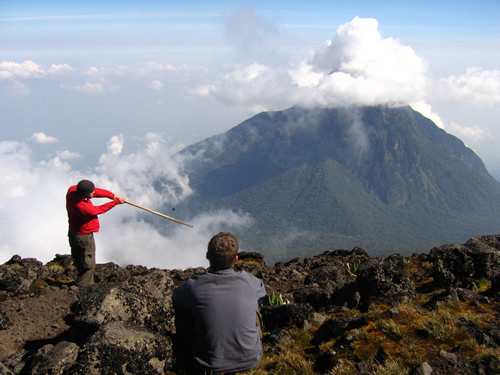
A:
[82,214]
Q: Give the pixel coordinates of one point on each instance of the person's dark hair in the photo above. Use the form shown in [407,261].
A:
[84,188]
[222,249]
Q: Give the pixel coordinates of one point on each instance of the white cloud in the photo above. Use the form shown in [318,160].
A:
[253,86]
[185,247]
[34,190]
[153,160]
[68,155]
[42,138]
[56,164]
[19,88]
[101,80]
[470,133]
[426,110]
[14,162]
[361,67]
[87,87]
[31,198]
[61,69]
[157,67]
[26,69]
[358,67]
[253,36]
[115,148]
[156,85]
[5,74]
[477,86]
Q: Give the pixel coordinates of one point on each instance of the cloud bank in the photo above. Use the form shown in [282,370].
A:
[357,67]
[477,86]
[34,220]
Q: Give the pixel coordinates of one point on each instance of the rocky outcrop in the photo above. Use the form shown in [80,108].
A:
[124,323]
[460,265]
[385,278]
[120,325]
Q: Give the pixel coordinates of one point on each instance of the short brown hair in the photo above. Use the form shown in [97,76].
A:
[222,249]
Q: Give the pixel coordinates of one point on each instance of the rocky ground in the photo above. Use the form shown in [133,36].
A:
[35,318]
[344,301]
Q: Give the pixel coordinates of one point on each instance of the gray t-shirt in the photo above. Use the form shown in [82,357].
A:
[224,305]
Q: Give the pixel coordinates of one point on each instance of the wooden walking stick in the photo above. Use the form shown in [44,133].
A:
[159,214]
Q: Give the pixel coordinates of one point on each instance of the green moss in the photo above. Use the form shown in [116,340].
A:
[37,284]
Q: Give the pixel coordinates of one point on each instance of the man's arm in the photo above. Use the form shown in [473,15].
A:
[122,200]
[88,209]
[103,193]
[260,288]
[182,295]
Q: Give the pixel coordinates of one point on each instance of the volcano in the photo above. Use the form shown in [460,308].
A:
[383,178]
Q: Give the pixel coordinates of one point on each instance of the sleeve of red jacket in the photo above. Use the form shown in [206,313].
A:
[102,193]
[88,209]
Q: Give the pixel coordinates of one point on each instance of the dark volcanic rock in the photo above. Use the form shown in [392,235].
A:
[130,324]
[451,295]
[314,296]
[251,256]
[145,301]
[285,316]
[17,275]
[124,323]
[119,349]
[101,303]
[62,270]
[333,328]
[326,362]
[489,337]
[456,265]
[329,277]
[495,286]
[54,359]
[385,278]
[111,272]
[4,321]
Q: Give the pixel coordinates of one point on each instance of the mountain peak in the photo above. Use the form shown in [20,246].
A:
[366,176]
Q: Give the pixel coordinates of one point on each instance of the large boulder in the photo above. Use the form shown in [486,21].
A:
[456,265]
[127,323]
[61,269]
[117,348]
[312,295]
[286,316]
[54,359]
[111,272]
[144,300]
[329,277]
[17,275]
[334,278]
[385,279]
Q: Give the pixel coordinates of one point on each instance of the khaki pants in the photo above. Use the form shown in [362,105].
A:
[83,254]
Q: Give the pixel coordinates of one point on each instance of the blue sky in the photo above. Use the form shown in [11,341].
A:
[111,89]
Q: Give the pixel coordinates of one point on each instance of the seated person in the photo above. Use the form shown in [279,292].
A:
[222,305]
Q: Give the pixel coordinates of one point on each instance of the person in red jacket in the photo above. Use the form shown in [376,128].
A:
[83,222]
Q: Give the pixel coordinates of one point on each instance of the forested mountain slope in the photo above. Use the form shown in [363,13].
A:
[387,179]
